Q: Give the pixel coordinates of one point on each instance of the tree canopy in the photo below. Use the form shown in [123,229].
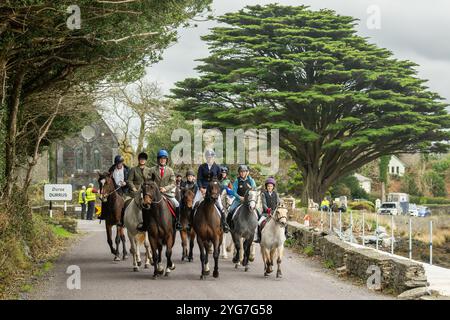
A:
[338,100]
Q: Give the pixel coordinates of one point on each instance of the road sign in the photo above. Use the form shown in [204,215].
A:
[58,192]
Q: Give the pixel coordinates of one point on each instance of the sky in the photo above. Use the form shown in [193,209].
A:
[416,30]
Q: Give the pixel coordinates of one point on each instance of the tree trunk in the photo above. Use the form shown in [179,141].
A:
[11,133]
[140,145]
[313,187]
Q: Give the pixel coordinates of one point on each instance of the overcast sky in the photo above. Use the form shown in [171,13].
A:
[417,30]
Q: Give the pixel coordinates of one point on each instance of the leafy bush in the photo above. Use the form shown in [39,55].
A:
[429,200]
[362,205]
[309,251]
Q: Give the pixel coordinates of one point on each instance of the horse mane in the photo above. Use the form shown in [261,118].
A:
[208,190]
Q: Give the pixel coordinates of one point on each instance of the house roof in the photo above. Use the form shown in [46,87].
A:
[398,159]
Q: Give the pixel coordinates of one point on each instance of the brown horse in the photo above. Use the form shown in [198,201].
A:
[187,203]
[206,223]
[112,211]
[162,228]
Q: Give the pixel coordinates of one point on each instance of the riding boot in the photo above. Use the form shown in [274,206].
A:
[223,221]
[178,225]
[258,235]
[146,221]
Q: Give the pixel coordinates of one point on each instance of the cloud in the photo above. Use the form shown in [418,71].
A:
[416,30]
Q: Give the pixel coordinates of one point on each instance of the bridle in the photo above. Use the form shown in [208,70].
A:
[148,194]
[106,195]
[277,217]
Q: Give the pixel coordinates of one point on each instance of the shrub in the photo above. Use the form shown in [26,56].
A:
[309,251]
[362,205]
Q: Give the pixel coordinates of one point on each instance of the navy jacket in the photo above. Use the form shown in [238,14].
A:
[204,175]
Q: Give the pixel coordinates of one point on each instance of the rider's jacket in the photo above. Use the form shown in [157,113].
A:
[136,178]
[240,186]
[205,174]
[189,185]
[126,171]
[167,180]
[270,200]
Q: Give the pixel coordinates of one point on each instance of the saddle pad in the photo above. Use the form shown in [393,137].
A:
[237,209]
[170,206]
[217,210]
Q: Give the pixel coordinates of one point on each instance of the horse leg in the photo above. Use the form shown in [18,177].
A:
[207,245]
[154,246]
[148,255]
[191,246]
[252,252]
[223,246]
[237,247]
[216,254]
[202,257]
[170,265]
[183,235]
[279,254]
[124,241]
[134,249]
[247,245]
[109,237]
[117,240]
[160,251]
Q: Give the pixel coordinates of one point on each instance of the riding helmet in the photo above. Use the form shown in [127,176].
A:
[243,167]
[223,169]
[270,180]
[142,155]
[118,159]
[209,153]
[190,173]
[162,154]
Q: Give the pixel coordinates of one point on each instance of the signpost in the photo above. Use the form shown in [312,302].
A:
[57,192]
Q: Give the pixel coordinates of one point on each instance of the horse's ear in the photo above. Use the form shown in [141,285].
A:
[258,188]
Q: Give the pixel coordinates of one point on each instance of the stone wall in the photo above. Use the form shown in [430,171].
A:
[397,275]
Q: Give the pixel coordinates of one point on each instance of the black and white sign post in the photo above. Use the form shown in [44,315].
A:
[57,192]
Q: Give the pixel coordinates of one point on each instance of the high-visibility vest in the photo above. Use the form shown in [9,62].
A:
[90,196]
[80,197]
[325,203]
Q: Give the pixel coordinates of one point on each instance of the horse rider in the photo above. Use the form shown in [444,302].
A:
[240,187]
[136,178]
[165,179]
[178,180]
[270,202]
[189,183]
[225,182]
[206,173]
[119,172]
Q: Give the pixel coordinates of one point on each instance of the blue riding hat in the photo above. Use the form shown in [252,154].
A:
[162,154]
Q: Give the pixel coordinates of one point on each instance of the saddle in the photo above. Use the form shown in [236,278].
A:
[170,206]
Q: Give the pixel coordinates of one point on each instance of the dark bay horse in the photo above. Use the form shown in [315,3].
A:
[112,211]
[206,223]
[187,203]
[162,227]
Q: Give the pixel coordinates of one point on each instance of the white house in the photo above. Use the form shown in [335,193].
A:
[396,166]
[364,182]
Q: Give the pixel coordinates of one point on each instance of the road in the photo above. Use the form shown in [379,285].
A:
[102,278]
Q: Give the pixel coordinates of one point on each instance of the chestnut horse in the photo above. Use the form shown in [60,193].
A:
[206,223]
[187,202]
[162,227]
[112,211]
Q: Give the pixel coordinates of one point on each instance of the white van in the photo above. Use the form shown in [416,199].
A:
[389,208]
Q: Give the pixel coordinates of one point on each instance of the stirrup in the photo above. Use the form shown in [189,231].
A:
[140,227]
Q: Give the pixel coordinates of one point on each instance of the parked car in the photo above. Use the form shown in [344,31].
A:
[423,211]
[390,208]
[413,210]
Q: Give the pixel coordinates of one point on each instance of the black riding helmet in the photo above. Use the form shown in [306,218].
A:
[118,159]
[143,156]
[190,173]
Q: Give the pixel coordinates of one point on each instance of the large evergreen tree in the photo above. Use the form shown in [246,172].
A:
[338,100]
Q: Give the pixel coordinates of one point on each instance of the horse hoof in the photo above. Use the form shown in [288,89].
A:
[155,276]
[202,277]
[172,267]
[135,269]
[266,274]
[160,272]
[236,265]
[251,259]
[206,273]
[125,257]
[279,275]
[216,274]
[190,259]
[139,263]
[116,258]
[246,268]
[147,266]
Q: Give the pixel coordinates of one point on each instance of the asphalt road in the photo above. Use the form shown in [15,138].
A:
[102,278]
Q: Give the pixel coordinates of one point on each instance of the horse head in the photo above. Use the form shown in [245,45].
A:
[280,216]
[213,190]
[150,193]
[251,198]
[188,198]
[106,185]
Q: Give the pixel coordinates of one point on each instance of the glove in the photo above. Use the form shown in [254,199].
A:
[269,210]
[229,191]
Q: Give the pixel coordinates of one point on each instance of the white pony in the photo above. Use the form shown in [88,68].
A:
[132,218]
[272,240]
